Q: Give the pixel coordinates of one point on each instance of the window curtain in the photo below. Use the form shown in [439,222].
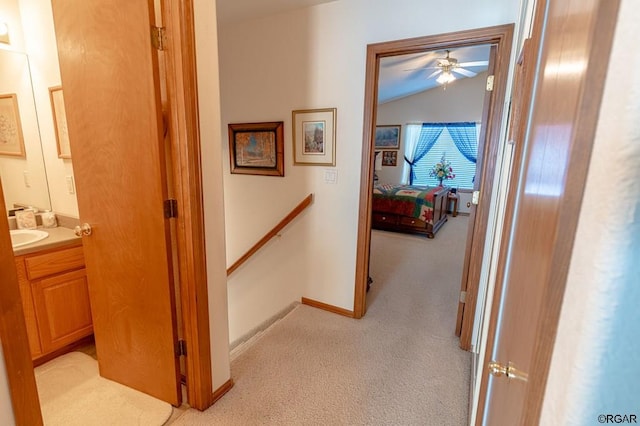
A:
[429,134]
[465,137]
[412,135]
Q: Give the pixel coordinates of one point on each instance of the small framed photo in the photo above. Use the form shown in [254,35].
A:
[388,137]
[314,137]
[11,138]
[60,122]
[257,148]
[389,158]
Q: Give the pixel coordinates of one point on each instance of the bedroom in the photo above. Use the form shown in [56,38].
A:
[409,95]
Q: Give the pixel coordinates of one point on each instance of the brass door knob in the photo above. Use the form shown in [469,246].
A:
[498,370]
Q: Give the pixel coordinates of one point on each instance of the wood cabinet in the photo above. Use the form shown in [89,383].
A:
[55,298]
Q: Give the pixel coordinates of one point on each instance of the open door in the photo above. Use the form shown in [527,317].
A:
[544,206]
[475,242]
[109,71]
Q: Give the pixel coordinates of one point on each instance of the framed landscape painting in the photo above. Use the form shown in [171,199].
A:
[257,148]
[388,137]
[314,137]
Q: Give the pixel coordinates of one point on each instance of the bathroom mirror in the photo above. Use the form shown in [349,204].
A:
[22,171]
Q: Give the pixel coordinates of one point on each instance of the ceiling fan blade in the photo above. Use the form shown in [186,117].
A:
[433,74]
[474,64]
[464,72]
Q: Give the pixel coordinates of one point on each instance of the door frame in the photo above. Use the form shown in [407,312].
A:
[500,35]
[186,164]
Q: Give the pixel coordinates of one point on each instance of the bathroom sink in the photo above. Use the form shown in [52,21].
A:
[22,237]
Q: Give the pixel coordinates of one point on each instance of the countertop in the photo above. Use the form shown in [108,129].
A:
[58,237]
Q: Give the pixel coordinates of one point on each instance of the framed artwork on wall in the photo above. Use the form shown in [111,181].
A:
[60,121]
[11,138]
[390,158]
[388,137]
[314,137]
[257,148]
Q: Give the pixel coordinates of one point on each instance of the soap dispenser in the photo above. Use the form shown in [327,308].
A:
[49,219]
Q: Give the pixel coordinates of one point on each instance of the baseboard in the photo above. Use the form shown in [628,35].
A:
[221,391]
[327,307]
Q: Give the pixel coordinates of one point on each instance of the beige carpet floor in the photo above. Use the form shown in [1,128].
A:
[399,365]
[72,393]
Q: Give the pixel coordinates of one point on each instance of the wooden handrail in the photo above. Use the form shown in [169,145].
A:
[284,222]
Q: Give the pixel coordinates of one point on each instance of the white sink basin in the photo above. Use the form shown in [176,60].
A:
[22,237]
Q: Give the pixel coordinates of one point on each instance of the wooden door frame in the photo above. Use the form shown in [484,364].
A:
[186,162]
[553,288]
[500,35]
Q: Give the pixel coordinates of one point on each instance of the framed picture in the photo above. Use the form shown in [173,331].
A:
[60,122]
[257,148]
[389,158]
[11,138]
[314,137]
[388,137]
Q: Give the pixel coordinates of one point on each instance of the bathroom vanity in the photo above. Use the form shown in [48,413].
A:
[55,296]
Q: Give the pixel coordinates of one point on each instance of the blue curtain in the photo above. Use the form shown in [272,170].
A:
[428,136]
[464,136]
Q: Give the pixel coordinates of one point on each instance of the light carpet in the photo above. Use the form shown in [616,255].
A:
[399,365]
[73,393]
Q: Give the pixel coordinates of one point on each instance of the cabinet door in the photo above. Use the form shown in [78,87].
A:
[28,308]
[62,308]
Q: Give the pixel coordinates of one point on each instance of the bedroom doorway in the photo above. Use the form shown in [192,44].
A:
[499,38]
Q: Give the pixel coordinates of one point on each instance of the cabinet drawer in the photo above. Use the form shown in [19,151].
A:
[42,265]
[413,222]
[385,218]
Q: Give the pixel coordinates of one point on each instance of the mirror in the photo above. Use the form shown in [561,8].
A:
[22,169]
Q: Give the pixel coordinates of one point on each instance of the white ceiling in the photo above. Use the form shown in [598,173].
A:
[230,11]
[406,75]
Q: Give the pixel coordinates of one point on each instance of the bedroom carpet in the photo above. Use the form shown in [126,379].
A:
[399,365]
[72,393]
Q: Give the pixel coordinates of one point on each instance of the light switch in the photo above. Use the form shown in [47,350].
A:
[330,176]
[71,186]
[27,178]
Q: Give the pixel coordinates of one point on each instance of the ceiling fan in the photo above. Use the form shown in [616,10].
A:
[445,67]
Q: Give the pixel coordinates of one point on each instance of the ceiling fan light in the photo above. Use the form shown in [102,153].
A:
[445,77]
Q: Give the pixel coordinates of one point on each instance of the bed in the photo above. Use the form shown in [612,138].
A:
[409,209]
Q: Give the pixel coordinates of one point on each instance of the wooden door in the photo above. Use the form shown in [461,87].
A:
[109,73]
[476,231]
[542,211]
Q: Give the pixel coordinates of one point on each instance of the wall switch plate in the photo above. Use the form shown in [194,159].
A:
[330,176]
[27,178]
[71,186]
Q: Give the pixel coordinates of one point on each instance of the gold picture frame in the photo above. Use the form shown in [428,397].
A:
[11,137]
[314,137]
[56,97]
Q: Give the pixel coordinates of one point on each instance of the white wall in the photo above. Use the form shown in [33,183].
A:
[311,58]
[461,101]
[594,369]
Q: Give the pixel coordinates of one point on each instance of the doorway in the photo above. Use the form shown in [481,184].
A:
[500,37]
[190,239]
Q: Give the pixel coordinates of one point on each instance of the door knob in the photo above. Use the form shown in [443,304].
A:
[498,370]
[83,230]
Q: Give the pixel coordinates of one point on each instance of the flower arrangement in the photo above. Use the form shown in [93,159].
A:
[442,170]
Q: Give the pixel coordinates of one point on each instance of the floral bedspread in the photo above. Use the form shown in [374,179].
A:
[405,200]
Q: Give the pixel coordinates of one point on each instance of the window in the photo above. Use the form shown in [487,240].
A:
[464,166]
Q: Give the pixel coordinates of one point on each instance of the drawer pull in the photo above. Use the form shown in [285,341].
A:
[384,218]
